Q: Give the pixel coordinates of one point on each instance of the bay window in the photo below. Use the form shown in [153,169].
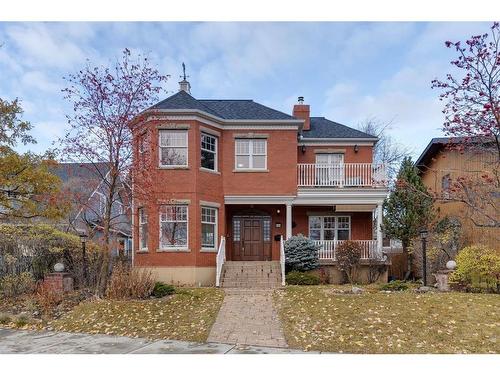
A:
[173,227]
[173,146]
[208,152]
[209,228]
[143,229]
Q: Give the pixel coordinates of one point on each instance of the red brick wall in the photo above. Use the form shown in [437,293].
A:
[161,185]
[364,154]
[158,185]
[281,164]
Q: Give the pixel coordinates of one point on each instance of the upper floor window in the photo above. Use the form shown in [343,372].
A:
[143,229]
[208,152]
[173,227]
[445,186]
[173,148]
[251,154]
[142,149]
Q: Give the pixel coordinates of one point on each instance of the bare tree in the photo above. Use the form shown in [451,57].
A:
[386,151]
[105,101]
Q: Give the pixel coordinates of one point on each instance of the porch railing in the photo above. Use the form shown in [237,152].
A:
[328,249]
[220,260]
[282,261]
[341,175]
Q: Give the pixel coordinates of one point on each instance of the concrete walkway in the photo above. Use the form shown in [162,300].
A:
[47,342]
[248,317]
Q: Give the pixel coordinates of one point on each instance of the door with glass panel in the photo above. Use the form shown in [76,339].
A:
[330,169]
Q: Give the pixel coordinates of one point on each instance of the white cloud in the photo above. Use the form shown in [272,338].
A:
[39,81]
[39,44]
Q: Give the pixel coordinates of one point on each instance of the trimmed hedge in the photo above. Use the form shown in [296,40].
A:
[161,290]
[302,278]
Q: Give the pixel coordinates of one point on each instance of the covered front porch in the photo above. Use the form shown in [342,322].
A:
[255,226]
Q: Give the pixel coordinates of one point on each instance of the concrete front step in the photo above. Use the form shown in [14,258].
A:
[251,275]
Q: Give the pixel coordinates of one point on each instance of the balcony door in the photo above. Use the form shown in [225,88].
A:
[330,169]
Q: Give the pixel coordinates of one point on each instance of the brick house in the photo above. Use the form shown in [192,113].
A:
[217,182]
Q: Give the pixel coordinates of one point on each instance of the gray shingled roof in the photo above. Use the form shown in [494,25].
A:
[250,110]
[86,171]
[324,128]
[226,109]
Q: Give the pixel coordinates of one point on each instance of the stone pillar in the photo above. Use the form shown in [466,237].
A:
[288,221]
[59,282]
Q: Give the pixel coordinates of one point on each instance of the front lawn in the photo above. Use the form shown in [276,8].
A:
[321,318]
[187,315]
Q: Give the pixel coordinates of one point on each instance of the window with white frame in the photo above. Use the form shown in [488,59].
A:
[446,185]
[329,227]
[209,228]
[208,152]
[173,227]
[102,203]
[250,154]
[143,229]
[173,148]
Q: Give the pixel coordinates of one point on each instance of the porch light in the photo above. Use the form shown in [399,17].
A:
[356,148]
[303,149]
[278,211]
[423,234]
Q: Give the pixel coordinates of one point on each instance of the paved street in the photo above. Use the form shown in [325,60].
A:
[248,317]
[26,342]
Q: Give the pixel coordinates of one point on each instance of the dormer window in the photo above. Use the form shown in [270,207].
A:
[173,145]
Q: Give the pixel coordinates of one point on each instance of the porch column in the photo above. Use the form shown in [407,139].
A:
[288,220]
[379,229]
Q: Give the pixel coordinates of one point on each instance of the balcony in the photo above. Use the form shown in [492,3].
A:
[328,249]
[342,175]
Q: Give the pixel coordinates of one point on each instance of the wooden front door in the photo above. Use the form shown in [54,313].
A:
[251,240]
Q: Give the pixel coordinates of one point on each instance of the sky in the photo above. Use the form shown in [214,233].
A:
[347,71]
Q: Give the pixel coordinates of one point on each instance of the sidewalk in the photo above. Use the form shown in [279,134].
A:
[48,342]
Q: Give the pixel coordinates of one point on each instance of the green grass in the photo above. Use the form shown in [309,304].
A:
[314,318]
[188,315]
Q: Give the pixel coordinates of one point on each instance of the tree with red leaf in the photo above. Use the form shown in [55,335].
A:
[105,100]
[472,113]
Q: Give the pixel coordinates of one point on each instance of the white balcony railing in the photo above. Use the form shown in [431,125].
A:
[327,250]
[341,175]
[220,260]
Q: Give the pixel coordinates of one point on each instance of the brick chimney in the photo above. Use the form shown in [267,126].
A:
[302,111]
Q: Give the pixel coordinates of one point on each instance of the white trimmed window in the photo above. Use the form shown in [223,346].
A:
[208,152]
[329,227]
[209,228]
[173,227]
[251,154]
[143,229]
[173,148]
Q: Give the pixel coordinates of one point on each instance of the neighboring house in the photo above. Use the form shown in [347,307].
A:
[225,180]
[441,163]
[84,185]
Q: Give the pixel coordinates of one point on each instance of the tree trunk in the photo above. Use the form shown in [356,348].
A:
[409,262]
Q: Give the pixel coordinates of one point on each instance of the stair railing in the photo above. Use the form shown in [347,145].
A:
[220,260]
[282,261]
